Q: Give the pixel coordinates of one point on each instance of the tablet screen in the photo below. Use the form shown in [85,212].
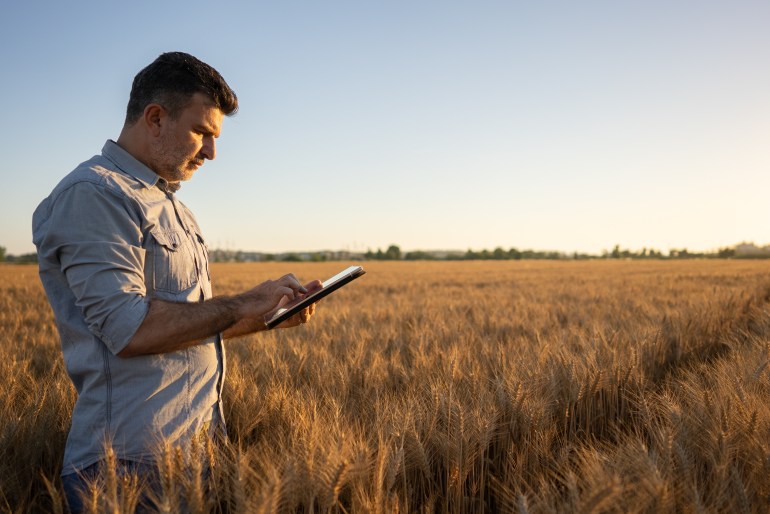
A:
[328,286]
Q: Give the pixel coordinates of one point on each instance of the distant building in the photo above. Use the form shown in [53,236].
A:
[218,255]
[751,250]
[446,254]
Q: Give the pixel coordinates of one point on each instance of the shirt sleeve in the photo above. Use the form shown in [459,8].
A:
[97,240]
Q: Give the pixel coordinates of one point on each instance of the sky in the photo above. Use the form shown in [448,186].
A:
[554,125]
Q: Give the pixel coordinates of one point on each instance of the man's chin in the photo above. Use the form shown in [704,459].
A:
[191,169]
[183,175]
[179,173]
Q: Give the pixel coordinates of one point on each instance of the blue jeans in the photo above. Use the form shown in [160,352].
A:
[76,484]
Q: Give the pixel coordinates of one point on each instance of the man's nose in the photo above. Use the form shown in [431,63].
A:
[209,149]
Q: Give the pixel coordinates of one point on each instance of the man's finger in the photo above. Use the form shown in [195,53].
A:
[291,281]
[286,292]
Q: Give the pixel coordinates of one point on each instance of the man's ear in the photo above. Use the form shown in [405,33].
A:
[154,118]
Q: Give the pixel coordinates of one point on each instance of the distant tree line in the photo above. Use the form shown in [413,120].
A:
[674,253]
[500,254]
[25,258]
[394,253]
[512,254]
[217,255]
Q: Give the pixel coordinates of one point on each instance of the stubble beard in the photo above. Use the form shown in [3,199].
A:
[174,166]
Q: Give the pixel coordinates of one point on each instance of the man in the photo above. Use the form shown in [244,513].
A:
[125,268]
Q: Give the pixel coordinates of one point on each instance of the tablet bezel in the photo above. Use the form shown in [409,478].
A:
[330,285]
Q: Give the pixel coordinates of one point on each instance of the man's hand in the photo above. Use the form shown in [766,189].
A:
[170,326]
[267,296]
[249,325]
[302,316]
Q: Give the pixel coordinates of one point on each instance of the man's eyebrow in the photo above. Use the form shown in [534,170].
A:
[207,130]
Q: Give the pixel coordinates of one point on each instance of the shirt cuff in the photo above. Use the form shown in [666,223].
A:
[122,324]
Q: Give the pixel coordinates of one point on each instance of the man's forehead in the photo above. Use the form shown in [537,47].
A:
[202,102]
[204,109]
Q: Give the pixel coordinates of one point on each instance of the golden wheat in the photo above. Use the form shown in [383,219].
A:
[448,387]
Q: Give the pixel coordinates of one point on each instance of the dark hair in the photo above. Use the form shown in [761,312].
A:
[171,80]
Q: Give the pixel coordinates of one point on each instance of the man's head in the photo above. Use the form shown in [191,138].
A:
[174,114]
[171,80]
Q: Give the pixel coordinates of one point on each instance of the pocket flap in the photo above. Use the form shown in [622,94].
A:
[168,239]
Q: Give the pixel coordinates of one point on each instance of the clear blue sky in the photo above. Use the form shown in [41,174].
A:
[557,125]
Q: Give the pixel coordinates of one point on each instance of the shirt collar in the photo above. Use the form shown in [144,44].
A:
[127,163]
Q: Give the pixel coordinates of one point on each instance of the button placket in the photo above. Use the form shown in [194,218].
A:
[181,218]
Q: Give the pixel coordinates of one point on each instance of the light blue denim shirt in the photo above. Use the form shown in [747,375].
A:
[112,236]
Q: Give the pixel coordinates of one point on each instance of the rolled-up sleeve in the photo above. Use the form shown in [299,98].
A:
[98,244]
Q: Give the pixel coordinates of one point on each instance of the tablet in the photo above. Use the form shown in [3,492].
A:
[328,286]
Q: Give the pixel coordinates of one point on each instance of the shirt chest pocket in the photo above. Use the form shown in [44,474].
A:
[173,262]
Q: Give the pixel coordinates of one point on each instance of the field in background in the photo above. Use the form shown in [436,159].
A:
[450,387]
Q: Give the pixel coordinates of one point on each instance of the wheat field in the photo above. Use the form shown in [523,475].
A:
[542,387]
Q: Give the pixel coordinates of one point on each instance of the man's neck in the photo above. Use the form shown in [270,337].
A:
[132,143]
